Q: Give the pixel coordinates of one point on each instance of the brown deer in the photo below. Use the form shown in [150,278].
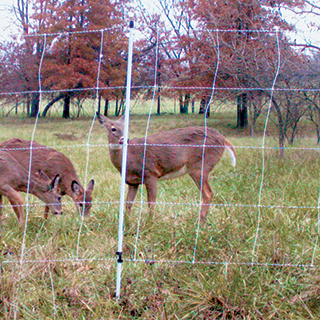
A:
[168,155]
[14,178]
[51,162]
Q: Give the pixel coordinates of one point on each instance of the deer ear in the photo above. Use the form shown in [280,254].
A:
[42,175]
[37,173]
[90,186]
[54,183]
[75,187]
[102,119]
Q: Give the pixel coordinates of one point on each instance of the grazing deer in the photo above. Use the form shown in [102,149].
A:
[51,162]
[168,155]
[14,178]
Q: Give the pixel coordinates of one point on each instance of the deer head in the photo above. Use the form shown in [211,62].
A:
[47,191]
[81,197]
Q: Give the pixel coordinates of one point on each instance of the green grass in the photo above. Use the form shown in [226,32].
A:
[70,265]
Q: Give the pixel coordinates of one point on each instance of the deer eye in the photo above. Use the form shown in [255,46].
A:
[59,199]
[113,129]
[80,205]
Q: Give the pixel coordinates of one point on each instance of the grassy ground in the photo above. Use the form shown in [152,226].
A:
[252,258]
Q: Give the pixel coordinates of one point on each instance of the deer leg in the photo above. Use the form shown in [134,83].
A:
[17,204]
[151,185]
[46,211]
[206,191]
[207,196]
[0,204]
[0,207]
[132,192]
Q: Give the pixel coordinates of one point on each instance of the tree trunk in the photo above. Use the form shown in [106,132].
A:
[35,104]
[66,106]
[186,102]
[51,103]
[99,103]
[158,102]
[106,107]
[28,105]
[117,111]
[204,107]
[180,104]
[159,83]
[183,105]
[242,108]
[281,132]
[122,106]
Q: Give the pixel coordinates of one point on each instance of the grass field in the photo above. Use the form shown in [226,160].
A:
[252,259]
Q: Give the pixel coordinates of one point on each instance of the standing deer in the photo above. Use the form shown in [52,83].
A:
[51,162]
[14,178]
[169,154]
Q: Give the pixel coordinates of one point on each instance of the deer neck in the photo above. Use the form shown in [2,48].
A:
[66,182]
[34,185]
[116,157]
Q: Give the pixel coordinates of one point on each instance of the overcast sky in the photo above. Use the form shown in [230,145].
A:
[306,34]
[6,23]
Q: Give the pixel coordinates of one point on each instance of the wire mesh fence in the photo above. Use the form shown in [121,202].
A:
[264,214]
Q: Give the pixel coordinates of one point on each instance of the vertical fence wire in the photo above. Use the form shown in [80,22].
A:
[155,87]
[27,206]
[317,233]
[263,145]
[31,147]
[204,145]
[89,139]
[53,292]
[15,302]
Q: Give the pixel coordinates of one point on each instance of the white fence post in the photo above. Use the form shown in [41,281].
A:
[124,161]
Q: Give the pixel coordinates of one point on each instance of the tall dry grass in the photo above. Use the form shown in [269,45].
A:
[250,260]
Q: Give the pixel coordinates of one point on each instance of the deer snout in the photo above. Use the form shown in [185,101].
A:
[121,140]
[57,213]
[84,209]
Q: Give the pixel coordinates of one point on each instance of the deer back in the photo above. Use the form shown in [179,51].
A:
[166,152]
[51,162]
[170,150]
[14,176]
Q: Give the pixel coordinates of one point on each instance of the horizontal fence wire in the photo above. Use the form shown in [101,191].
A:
[163,88]
[175,204]
[106,145]
[159,261]
[8,258]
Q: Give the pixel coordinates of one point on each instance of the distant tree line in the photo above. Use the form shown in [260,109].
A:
[180,51]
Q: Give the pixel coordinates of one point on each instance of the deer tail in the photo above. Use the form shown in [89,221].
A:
[230,149]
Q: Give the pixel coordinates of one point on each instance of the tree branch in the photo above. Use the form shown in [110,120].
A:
[306,46]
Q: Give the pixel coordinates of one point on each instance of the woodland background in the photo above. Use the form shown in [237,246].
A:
[177,48]
[257,257]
